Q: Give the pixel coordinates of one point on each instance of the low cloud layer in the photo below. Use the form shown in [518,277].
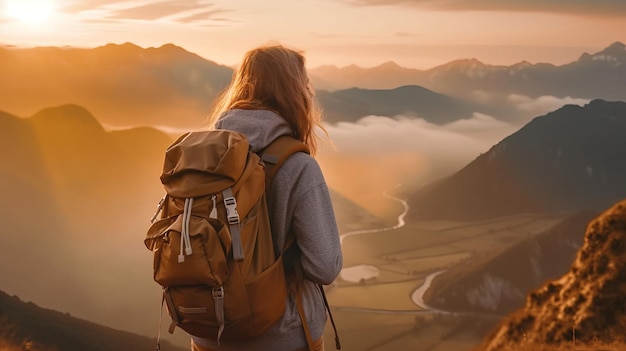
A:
[377,153]
[543,104]
[585,7]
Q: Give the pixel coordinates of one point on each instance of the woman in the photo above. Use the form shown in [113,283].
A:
[270,96]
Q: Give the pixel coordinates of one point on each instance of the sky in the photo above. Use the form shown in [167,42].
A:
[413,33]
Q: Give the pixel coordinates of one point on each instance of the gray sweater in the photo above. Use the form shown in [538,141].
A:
[299,203]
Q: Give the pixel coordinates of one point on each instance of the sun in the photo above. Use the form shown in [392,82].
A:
[29,11]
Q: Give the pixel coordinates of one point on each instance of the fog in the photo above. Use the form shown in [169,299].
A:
[377,153]
[542,104]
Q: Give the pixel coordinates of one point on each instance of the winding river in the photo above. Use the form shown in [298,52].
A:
[400,223]
[366,271]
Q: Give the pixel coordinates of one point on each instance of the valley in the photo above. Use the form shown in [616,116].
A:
[378,310]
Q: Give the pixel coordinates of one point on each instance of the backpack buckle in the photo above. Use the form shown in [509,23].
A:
[231,210]
[218,293]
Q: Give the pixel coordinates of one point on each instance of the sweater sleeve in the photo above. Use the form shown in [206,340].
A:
[315,228]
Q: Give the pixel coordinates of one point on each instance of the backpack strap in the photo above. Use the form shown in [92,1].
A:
[274,155]
[277,152]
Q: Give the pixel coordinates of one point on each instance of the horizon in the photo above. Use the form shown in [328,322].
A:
[574,56]
[367,33]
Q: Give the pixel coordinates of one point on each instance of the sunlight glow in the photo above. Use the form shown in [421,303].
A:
[29,11]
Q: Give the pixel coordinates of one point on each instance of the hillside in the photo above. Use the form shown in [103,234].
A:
[568,160]
[498,283]
[26,326]
[585,304]
[80,201]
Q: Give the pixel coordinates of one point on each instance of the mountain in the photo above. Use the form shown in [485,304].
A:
[30,213]
[413,101]
[125,85]
[568,160]
[498,284]
[26,326]
[585,304]
[77,206]
[598,75]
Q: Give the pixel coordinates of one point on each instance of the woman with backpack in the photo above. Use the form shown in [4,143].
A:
[270,96]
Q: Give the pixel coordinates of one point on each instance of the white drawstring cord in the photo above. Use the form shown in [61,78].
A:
[188,202]
[213,213]
[185,240]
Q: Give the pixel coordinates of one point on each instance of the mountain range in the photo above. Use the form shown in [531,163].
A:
[570,159]
[408,101]
[126,85]
[597,75]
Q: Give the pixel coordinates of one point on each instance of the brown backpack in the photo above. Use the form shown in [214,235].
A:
[213,249]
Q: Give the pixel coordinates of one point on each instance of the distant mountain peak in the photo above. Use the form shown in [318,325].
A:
[389,65]
[615,52]
[173,48]
[126,46]
[616,46]
[130,49]
[69,114]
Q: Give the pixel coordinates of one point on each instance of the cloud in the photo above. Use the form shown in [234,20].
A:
[183,11]
[585,7]
[376,134]
[204,15]
[405,34]
[86,5]
[543,104]
[156,10]
[377,153]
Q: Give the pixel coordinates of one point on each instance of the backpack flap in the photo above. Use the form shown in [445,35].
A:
[205,162]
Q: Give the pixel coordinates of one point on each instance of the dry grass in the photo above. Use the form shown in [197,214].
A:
[569,347]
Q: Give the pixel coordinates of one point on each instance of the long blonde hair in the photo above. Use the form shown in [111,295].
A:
[274,78]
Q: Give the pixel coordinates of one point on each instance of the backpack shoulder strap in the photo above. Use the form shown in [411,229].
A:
[277,152]
[274,155]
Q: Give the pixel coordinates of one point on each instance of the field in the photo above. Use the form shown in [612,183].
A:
[378,312]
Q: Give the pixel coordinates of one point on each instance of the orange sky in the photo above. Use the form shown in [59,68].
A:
[413,33]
